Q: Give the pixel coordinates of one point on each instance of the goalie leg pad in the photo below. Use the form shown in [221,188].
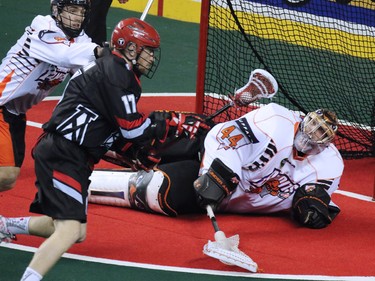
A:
[109,187]
[148,192]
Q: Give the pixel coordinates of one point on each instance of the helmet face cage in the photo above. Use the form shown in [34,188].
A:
[149,67]
[67,26]
[144,37]
[316,131]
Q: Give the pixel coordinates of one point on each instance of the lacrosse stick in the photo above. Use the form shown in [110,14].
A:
[147,8]
[226,249]
[119,160]
[261,84]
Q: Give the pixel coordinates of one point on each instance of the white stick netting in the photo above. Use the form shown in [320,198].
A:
[226,250]
[261,84]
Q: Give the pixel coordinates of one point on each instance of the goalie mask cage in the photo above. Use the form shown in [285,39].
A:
[321,52]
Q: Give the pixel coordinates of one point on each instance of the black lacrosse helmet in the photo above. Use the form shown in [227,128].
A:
[57,7]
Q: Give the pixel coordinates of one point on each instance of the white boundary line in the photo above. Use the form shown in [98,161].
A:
[196,271]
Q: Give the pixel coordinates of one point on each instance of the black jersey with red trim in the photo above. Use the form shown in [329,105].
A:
[98,105]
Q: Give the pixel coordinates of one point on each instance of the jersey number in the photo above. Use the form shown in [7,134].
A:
[129,103]
[226,134]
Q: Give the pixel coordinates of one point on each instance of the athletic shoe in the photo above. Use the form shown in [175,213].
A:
[5,235]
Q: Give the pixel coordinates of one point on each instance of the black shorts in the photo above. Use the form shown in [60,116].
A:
[62,169]
[12,133]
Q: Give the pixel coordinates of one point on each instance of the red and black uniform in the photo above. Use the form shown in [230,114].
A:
[98,106]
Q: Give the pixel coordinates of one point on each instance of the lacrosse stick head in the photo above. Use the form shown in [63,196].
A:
[226,250]
[261,84]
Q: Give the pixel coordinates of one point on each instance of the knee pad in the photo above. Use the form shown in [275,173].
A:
[148,191]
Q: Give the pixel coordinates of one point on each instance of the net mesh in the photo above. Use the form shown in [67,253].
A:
[321,53]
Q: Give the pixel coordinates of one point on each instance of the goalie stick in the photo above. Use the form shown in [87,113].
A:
[226,249]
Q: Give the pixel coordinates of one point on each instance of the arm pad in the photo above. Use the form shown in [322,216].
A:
[216,184]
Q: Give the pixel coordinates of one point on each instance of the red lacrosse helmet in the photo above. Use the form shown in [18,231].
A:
[136,31]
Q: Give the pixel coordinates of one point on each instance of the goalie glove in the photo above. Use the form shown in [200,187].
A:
[311,206]
[212,187]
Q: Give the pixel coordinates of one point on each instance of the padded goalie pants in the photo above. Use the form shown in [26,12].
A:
[181,195]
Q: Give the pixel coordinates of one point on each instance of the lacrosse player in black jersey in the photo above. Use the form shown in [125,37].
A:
[98,111]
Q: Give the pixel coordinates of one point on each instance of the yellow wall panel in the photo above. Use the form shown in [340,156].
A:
[183,10]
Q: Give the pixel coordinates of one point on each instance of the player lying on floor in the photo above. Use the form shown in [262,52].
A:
[268,160]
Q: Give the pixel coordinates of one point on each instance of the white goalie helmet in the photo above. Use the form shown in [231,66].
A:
[316,131]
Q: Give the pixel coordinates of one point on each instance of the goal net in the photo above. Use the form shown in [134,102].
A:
[321,52]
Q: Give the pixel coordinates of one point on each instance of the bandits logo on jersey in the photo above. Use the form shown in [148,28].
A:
[276,183]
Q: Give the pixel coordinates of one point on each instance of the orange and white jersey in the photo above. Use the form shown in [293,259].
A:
[39,61]
[259,148]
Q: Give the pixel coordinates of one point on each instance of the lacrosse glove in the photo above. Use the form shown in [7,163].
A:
[180,124]
[212,187]
[311,207]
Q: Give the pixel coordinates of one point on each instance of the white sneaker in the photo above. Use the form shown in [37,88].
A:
[5,235]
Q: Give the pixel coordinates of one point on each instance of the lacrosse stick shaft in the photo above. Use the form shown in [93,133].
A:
[211,215]
[221,110]
[145,11]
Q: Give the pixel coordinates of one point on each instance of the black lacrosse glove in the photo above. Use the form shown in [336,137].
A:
[146,158]
[311,206]
[138,155]
[180,124]
[212,187]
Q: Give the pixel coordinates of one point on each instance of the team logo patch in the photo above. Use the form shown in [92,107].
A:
[309,188]
[121,41]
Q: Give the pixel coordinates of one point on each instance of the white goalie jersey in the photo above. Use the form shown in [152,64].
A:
[259,148]
[39,61]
